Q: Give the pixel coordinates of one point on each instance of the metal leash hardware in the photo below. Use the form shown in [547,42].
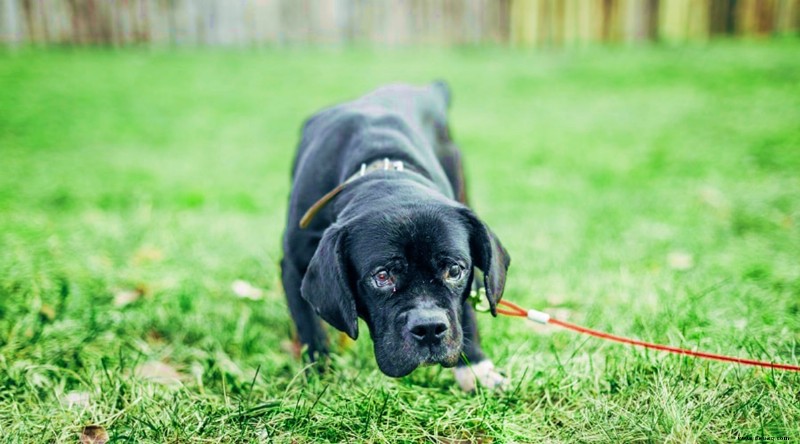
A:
[477,298]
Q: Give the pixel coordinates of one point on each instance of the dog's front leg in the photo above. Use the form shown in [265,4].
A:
[474,368]
[309,327]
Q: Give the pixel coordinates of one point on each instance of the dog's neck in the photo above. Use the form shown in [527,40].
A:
[387,193]
[384,164]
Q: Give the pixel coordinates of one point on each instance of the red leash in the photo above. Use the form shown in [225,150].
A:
[544,318]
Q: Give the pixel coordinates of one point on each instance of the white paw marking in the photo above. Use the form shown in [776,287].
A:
[482,373]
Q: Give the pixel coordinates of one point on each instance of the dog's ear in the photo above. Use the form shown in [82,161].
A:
[325,285]
[490,256]
[443,90]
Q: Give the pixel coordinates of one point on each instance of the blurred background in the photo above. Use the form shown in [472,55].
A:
[389,22]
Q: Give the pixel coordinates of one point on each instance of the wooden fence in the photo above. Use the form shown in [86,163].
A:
[388,22]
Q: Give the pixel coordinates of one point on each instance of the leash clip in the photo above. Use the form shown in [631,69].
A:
[477,298]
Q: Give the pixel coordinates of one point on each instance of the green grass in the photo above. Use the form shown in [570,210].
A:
[601,171]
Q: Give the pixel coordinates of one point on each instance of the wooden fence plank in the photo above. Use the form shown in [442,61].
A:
[530,23]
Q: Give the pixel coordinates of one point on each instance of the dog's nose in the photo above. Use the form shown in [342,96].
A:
[426,326]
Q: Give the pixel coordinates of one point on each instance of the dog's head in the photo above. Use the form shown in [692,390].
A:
[407,273]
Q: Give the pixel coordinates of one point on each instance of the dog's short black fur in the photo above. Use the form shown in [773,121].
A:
[396,248]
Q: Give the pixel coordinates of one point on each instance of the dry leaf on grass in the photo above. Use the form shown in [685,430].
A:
[76,399]
[472,440]
[292,347]
[244,289]
[344,342]
[147,254]
[47,312]
[160,373]
[127,296]
[679,260]
[94,434]
[715,199]
[154,337]
[556,298]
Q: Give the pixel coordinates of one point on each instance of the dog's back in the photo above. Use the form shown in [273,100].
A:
[411,122]
[422,109]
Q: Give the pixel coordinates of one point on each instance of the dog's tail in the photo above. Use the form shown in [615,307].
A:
[443,90]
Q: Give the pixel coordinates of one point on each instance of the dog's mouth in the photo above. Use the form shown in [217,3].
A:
[446,356]
[403,365]
[397,358]
[445,359]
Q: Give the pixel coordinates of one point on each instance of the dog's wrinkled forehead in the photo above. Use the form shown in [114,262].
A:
[418,234]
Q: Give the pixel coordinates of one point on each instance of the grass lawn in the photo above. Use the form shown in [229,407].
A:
[653,193]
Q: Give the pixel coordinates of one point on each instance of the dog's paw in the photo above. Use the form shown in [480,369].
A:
[483,373]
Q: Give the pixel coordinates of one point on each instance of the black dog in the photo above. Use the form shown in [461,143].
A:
[378,228]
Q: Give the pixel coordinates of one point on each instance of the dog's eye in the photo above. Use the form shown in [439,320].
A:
[383,278]
[454,272]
